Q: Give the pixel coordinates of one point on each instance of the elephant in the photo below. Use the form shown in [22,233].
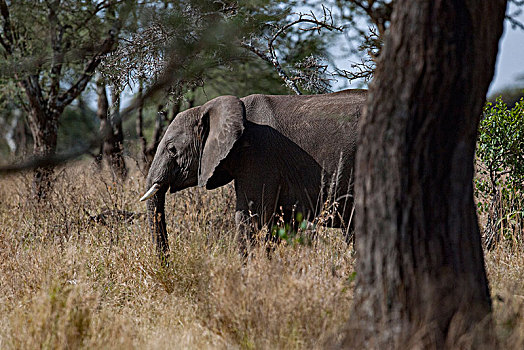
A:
[285,154]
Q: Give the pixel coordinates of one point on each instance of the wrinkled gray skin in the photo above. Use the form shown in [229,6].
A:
[280,151]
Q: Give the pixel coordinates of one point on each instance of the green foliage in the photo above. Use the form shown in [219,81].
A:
[77,127]
[293,233]
[501,168]
[46,34]
[501,141]
[252,77]
[50,51]
[198,41]
[510,95]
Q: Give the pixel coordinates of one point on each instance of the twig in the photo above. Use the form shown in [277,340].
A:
[269,55]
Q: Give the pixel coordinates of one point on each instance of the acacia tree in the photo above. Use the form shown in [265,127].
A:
[180,38]
[111,130]
[51,50]
[421,280]
[365,25]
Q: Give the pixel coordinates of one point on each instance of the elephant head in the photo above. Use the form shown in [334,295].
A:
[190,154]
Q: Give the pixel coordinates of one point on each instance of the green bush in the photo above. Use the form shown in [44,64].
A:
[500,180]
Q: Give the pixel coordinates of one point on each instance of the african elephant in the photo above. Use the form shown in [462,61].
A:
[284,154]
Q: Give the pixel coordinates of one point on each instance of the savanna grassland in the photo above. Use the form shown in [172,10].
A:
[79,271]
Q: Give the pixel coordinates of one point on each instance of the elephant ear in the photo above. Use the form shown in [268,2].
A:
[224,118]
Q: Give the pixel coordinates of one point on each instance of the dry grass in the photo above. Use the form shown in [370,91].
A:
[67,281]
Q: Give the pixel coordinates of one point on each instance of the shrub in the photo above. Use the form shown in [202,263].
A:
[500,182]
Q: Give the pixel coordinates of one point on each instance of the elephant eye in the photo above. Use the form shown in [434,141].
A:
[171,149]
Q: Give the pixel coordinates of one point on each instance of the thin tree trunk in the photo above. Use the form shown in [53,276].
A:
[116,149]
[101,112]
[21,137]
[110,131]
[493,225]
[160,121]
[176,109]
[140,130]
[421,281]
[14,134]
[162,118]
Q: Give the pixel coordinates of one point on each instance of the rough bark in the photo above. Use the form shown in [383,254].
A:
[111,131]
[421,281]
[115,148]
[44,128]
[139,127]
[101,112]
[46,98]
[43,122]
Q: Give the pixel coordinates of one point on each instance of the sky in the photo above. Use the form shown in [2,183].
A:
[509,66]
[510,60]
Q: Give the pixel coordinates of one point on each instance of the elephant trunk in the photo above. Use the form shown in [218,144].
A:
[157,220]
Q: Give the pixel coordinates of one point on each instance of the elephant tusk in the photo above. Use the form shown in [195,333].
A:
[150,192]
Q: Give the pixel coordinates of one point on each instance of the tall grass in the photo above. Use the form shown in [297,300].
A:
[70,278]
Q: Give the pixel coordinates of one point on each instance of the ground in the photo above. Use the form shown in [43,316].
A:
[79,271]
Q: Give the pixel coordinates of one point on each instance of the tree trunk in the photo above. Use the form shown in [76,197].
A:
[160,121]
[44,128]
[148,152]
[116,148]
[43,122]
[140,129]
[101,112]
[111,131]
[176,109]
[421,281]
[15,134]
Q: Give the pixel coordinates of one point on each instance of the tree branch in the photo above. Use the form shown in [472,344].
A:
[364,70]
[58,56]
[8,42]
[99,7]
[32,89]
[515,23]
[269,54]
[379,16]
[272,59]
[67,97]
